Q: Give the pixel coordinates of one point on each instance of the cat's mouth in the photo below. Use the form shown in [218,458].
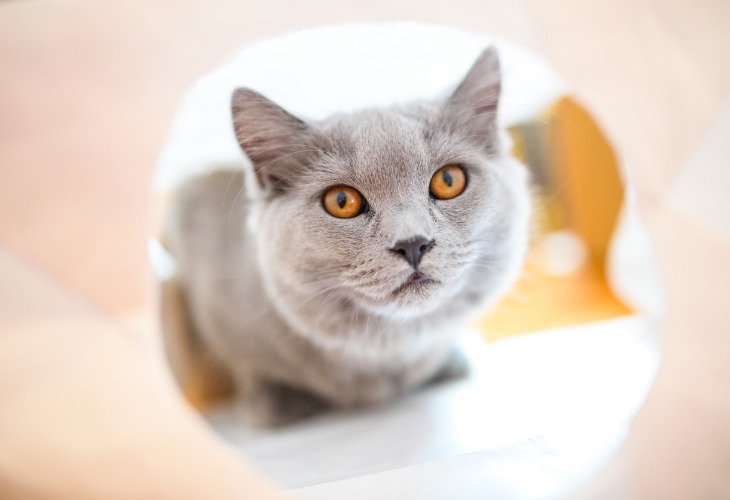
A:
[417,281]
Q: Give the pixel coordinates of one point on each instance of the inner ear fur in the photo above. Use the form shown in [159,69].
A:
[474,104]
[275,141]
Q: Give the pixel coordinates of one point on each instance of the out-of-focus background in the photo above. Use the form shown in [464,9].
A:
[88,89]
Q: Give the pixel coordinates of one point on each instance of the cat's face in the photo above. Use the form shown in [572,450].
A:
[397,211]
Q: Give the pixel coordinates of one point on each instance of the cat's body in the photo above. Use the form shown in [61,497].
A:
[306,309]
[237,320]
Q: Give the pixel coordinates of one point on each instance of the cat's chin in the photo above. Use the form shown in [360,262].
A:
[417,283]
[402,312]
[416,297]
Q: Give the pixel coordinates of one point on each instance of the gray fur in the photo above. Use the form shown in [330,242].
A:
[306,310]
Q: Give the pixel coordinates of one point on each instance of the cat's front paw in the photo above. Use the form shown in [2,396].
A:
[272,405]
[455,367]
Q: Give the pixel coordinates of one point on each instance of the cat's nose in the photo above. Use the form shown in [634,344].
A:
[413,249]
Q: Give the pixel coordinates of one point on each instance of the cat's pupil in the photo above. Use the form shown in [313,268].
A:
[341,199]
[447,178]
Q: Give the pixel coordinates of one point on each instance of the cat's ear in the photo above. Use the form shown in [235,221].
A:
[275,141]
[473,105]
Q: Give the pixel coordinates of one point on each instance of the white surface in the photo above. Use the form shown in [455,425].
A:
[163,264]
[632,267]
[576,387]
[562,252]
[318,72]
[541,467]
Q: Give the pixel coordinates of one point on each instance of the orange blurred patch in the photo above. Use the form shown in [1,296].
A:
[581,193]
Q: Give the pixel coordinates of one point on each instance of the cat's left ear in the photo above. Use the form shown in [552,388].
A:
[276,141]
[473,105]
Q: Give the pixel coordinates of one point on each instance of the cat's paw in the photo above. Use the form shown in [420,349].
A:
[455,367]
[273,405]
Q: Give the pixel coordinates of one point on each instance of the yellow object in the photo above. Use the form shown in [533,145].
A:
[579,197]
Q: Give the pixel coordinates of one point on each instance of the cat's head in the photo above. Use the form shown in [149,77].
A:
[400,211]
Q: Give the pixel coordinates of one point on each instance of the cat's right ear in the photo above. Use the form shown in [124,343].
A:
[473,105]
[275,141]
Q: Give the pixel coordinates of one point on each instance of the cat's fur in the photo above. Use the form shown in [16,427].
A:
[306,310]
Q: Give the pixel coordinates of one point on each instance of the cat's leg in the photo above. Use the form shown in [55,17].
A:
[201,377]
[455,367]
[272,404]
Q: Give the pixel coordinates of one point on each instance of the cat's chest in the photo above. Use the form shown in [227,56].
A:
[357,376]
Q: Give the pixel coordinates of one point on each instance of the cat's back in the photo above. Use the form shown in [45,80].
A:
[205,232]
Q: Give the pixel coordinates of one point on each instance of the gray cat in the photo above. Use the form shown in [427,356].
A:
[342,274]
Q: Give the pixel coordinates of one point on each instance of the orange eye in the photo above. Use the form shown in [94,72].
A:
[449,182]
[343,202]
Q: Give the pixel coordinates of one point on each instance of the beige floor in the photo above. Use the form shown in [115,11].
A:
[88,89]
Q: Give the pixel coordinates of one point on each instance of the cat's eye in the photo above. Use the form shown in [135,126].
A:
[449,182]
[344,202]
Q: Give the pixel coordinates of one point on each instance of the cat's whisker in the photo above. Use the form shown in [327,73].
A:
[292,293]
[375,280]
[322,292]
[357,313]
[483,262]
[382,334]
[321,308]
[279,158]
[488,97]
[367,325]
[458,254]
[234,175]
[230,215]
[282,146]
[306,148]
[469,109]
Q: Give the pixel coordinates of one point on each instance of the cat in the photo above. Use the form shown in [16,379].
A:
[338,270]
